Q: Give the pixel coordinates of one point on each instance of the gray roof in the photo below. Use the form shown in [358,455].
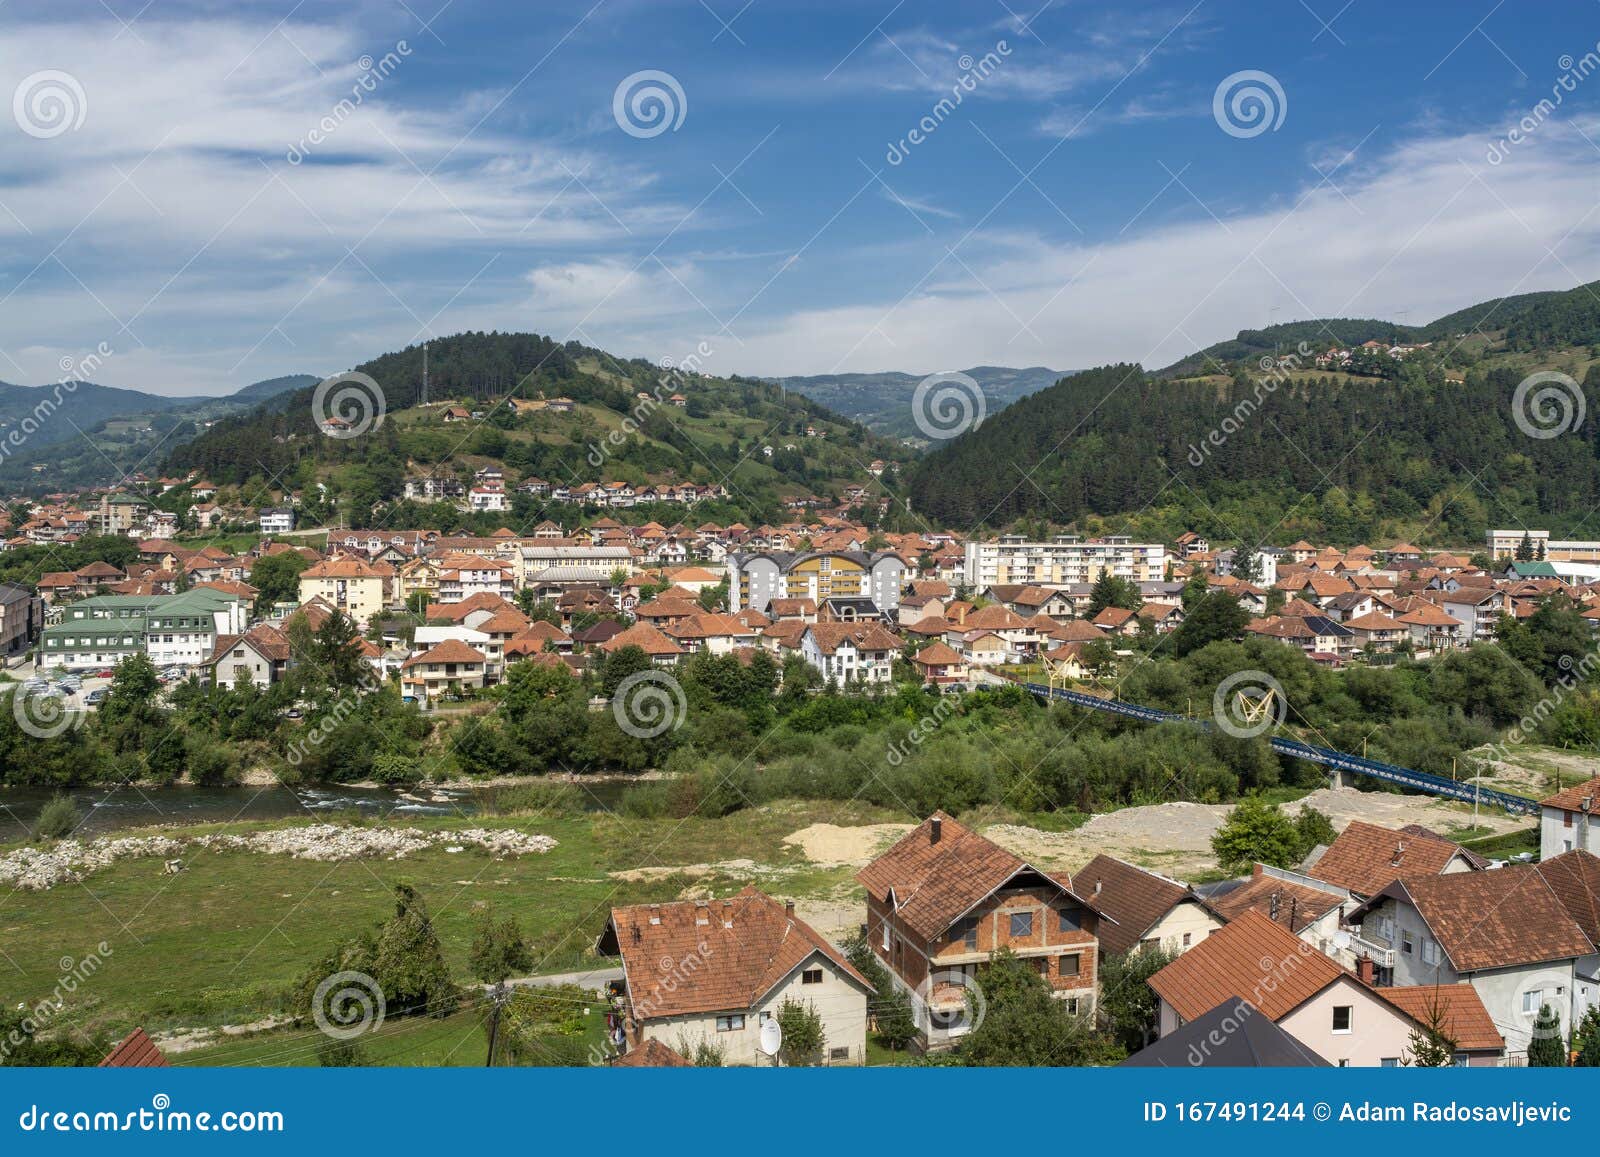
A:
[1233,1035]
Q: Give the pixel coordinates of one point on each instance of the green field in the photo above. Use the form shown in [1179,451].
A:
[218,943]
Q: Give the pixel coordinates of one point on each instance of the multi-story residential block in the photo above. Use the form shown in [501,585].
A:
[754,580]
[21,618]
[170,629]
[944,900]
[357,588]
[1064,560]
[276,519]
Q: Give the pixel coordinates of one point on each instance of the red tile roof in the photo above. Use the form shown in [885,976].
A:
[1458,1009]
[1365,857]
[1252,959]
[652,1054]
[1571,799]
[137,1051]
[1130,896]
[693,957]
[1493,919]
[936,881]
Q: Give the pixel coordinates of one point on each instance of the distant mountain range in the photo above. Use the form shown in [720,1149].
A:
[882,402]
[83,433]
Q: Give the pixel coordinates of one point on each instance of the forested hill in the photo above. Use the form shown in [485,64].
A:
[1345,458]
[741,433]
[1528,321]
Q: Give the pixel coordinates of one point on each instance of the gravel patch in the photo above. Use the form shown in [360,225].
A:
[36,869]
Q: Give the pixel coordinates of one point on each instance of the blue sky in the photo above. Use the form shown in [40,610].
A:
[1081,204]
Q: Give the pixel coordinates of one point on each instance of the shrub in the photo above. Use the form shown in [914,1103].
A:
[57,819]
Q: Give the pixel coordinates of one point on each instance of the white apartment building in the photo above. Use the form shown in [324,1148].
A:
[1064,560]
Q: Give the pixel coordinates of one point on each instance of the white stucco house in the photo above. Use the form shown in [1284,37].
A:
[714,971]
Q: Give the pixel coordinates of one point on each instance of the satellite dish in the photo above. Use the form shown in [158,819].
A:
[771,1036]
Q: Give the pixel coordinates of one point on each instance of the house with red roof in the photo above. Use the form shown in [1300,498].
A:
[712,972]
[944,899]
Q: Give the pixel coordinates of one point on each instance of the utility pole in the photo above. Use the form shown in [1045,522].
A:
[424,373]
[497,996]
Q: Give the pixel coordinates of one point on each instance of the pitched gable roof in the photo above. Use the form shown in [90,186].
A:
[1252,959]
[1492,919]
[1458,1008]
[136,1051]
[936,879]
[1130,896]
[1365,857]
[743,946]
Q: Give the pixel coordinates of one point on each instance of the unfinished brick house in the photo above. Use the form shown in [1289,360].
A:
[944,900]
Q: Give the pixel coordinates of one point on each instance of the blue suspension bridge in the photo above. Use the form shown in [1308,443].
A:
[1337,760]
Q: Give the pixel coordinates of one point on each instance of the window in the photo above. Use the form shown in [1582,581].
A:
[730,1023]
[1405,941]
[1460,1061]
[1022,923]
[1188,938]
[1344,1064]
[965,930]
[1069,965]
[1069,920]
[811,976]
[1341,1017]
[1531,1002]
[1072,1005]
[1389,1063]
[842,1054]
[1430,950]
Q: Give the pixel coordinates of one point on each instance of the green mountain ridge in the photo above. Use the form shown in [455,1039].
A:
[882,401]
[1426,447]
[740,433]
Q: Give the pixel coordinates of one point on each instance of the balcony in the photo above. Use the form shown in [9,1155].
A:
[1381,957]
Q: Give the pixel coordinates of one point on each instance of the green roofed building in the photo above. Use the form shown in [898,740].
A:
[170,629]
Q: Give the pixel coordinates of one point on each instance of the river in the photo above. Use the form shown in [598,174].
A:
[108,809]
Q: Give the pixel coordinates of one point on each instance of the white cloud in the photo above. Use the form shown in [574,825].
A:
[1425,228]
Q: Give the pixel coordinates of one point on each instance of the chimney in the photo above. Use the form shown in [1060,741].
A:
[1294,910]
[1272,910]
[655,913]
[727,913]
[1365,972]
[935,829]
[788,909]
[1258,869]
[1097,887]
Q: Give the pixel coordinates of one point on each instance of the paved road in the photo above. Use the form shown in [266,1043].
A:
[594,978]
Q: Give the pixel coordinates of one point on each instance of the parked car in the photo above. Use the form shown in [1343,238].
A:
[96,697]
